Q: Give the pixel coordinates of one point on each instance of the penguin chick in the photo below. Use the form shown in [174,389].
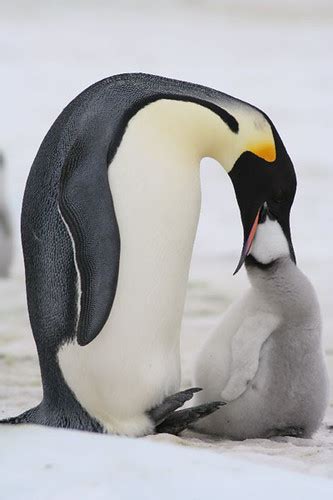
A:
[265,359]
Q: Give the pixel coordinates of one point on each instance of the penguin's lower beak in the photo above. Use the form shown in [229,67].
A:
[248,239]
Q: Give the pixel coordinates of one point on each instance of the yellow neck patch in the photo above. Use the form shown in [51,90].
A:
[266,151]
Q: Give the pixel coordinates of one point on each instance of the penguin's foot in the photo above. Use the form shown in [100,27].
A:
[297,432]
[168,420]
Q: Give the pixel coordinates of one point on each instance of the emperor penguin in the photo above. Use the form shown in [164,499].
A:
[265,358]
[6,241]
[109,217]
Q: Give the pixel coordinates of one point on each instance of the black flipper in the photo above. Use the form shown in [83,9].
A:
[86,205]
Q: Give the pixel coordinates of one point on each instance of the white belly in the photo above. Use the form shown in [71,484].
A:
[135,361]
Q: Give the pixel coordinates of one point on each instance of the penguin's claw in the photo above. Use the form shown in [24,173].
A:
[180,420]
[297,432]
[170,404]
[168,420]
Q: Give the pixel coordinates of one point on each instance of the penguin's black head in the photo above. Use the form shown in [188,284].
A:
[257,181]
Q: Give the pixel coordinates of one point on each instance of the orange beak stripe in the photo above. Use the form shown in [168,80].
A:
[252,234]
[248,243]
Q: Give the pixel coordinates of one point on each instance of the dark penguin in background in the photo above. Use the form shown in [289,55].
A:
[6,240]
[109,218]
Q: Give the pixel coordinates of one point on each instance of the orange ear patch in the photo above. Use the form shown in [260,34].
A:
[266,151]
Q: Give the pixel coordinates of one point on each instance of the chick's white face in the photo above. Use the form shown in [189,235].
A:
[269,242]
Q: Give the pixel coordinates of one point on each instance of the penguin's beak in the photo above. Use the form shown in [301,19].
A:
[252,182]
[248,242]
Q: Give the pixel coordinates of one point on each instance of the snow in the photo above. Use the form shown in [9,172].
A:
[276,55]
[56,464]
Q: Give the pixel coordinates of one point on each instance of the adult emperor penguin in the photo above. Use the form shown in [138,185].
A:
[109,217]
[266,357]
[6,242]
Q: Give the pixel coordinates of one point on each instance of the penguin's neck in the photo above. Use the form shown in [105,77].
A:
[182,133]
[155,184]
[186,129]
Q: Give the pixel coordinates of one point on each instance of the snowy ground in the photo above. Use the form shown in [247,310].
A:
[276,55]
[103,467]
